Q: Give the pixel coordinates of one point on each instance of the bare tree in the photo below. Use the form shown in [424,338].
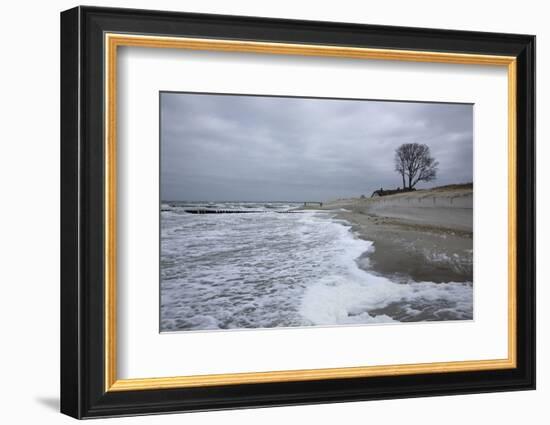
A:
[400,162]
[414,162]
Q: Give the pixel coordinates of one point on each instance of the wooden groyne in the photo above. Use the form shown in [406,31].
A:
[210,211]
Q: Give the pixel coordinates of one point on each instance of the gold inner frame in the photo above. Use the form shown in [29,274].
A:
[113,41]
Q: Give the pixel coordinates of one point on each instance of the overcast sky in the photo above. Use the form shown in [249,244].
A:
[253,148]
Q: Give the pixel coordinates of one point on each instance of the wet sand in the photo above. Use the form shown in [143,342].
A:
[426,235]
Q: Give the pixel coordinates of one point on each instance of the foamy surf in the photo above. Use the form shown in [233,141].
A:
[352,295]
[375,299]
[269,270]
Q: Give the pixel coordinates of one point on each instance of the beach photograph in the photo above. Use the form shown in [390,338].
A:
[282,212]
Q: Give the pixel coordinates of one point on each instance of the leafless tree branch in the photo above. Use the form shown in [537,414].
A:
[414,163]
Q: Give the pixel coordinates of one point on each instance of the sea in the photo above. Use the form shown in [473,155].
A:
[269,265]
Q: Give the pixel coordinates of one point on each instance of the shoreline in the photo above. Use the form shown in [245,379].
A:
[249,271]
[423,236]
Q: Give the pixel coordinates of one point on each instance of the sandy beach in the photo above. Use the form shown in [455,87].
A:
[425,235]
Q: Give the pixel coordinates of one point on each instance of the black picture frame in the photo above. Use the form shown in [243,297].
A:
[83,392]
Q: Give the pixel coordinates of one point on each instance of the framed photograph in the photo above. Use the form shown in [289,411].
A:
[261,212]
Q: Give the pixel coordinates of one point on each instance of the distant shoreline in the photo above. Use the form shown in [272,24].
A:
[425,235]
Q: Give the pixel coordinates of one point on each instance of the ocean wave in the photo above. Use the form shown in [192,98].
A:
[458,263]
[227,271]
[375,299]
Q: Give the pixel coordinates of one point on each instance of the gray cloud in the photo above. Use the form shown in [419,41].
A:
[229,147]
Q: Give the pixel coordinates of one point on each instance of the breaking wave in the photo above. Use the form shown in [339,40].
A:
[227,271]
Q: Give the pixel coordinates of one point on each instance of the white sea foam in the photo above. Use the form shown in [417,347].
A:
[346,300]
[347,294]
[221,271]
